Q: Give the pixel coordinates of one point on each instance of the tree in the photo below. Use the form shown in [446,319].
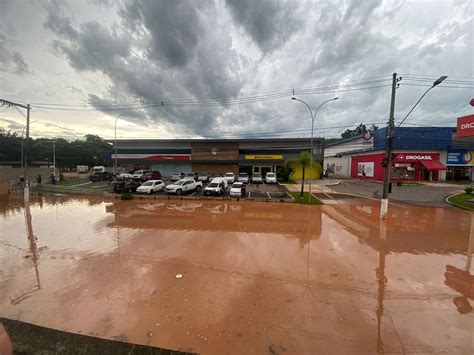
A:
[304,159]
[285,171]
[360,129]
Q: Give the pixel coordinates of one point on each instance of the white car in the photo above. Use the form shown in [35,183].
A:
[217,186]
[151,186]
[183,185]
[271,178]
[177,176]
[124,176]
[243,177]
[230,177]
[138,174]
[257,179]
[237,189]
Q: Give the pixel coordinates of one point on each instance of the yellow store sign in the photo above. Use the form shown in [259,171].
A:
[264,157]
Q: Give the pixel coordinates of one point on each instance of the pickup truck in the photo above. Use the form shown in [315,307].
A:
[183,185]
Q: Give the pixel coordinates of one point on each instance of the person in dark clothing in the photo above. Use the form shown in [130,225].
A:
[39,179]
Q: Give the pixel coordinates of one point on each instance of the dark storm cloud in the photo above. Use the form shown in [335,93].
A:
[11,60]
[268,22]
[174,27]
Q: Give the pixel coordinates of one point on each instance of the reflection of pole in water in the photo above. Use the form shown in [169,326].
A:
[471,245]
[382,280]
[34,251]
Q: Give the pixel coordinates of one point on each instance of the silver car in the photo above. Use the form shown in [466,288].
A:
[243,177]
[257,179]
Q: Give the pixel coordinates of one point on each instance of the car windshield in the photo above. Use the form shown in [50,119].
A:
[257,175]
[148,183]
[237,185]
[243,174]
[229,174]
[213,184]
[270,174]
[180,182]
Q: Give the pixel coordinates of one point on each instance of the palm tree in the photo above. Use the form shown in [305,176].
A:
[303,160]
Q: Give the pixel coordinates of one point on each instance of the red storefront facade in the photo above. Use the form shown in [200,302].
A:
[409,166]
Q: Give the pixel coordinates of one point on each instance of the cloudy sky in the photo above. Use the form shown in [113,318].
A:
[177,69]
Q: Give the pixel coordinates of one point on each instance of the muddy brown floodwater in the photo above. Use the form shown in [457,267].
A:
[261,278]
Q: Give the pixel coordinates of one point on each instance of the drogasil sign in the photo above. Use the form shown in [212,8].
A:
[465,126]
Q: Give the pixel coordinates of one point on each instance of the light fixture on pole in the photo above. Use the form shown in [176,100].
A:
[390,132]
[313,117]
[115,145]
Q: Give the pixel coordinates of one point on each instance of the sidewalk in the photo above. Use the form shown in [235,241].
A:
[316,185]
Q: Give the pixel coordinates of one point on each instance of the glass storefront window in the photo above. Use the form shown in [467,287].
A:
[404,171]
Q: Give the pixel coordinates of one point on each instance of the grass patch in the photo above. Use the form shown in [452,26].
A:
[461,201]
[304,199]
[126,196]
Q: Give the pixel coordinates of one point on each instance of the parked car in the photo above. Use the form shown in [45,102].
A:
[183,185]
[103,176]
[237,189]
[243,177]
[191,176]
[152,175]
[139,174]
[257,179]
[177,176]
[270,178]
[230,177]
[124,176]
[150,186]
[203,176]
[214,175]
[128,185]
[217,186]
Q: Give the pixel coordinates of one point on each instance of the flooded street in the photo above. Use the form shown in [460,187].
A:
[263,278]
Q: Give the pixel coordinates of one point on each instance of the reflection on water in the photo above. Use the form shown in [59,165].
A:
[257,276]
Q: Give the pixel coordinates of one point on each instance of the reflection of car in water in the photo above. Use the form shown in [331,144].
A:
[218,209]
[185,207]
[125,186]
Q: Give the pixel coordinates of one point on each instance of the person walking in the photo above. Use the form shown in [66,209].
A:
[39,179]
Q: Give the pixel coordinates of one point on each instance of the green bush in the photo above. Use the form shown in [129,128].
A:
[468,190]
[126,196]
[284,172]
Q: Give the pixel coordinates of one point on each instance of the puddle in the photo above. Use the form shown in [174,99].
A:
[256,277]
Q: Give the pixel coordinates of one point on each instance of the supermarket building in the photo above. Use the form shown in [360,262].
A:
[419,154]
[171,156]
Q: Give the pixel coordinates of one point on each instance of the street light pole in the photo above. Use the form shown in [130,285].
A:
[54,158]
[115,145]
[390,132]
[313,117]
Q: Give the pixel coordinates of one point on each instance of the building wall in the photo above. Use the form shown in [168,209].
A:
[355,144]
[219,168]
[298,172]
[341,166]
[214,151]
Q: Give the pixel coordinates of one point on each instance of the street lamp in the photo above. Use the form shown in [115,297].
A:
[313,117]
[115,144]
[435,83]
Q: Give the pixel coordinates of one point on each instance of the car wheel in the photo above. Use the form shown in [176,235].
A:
[198,188]
[179,192]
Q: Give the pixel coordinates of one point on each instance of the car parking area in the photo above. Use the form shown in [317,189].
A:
[252,191]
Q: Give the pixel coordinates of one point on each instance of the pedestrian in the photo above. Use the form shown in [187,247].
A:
[39,179]
[53,179]
[61,176]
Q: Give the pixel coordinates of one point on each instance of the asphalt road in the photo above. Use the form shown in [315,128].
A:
[418,194]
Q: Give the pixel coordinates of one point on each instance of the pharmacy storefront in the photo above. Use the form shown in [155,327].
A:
[409,166]
[460,164]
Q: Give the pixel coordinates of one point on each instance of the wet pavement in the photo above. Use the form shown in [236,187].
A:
[263,278]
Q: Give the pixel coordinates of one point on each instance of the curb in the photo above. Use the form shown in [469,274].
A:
[452,204]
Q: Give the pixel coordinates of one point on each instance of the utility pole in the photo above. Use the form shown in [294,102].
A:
[26,173]
[54,158]
[389,139]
